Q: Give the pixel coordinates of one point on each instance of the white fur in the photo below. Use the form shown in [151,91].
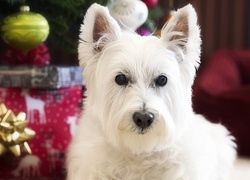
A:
[179,145]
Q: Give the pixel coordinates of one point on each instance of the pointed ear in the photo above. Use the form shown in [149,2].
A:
[97,30]
[182,35]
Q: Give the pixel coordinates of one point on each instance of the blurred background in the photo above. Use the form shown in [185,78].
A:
[224,23]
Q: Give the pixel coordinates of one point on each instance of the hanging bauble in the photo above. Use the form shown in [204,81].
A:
[151,3]
[143,31]
[130,14]
[25,30]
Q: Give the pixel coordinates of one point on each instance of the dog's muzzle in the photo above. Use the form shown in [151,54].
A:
[143,119]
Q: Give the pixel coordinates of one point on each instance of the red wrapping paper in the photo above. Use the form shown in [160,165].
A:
[53,115]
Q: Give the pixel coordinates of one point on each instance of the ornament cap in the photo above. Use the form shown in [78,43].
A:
[24,8]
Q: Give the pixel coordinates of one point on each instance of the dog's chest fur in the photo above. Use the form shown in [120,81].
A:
[134,167]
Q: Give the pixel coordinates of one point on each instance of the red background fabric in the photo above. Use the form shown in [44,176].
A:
[222,93]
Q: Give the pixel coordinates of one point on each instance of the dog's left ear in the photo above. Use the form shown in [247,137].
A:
[182,35]
[98,29]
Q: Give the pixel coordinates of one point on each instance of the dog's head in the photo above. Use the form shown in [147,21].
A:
[139,87]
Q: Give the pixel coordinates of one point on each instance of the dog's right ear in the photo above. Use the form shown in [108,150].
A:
[97,30]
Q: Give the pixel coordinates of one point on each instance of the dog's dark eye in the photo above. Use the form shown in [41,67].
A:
[121,79]
[161,80]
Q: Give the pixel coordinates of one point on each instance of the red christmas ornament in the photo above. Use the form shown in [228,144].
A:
[38,56]
[150,3]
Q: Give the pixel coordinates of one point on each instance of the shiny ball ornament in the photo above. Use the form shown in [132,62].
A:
[25,30]
[151,3]
[130,14]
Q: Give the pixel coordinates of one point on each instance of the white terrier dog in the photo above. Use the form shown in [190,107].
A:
[138,122]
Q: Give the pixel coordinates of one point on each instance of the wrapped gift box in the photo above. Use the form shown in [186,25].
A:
[40,76]
[52,113]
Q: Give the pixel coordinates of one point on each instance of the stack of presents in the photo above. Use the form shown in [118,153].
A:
[39,110]
[40,104]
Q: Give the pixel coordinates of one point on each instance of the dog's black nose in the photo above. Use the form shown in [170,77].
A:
[143,119]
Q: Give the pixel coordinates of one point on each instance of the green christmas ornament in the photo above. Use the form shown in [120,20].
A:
[25,30]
